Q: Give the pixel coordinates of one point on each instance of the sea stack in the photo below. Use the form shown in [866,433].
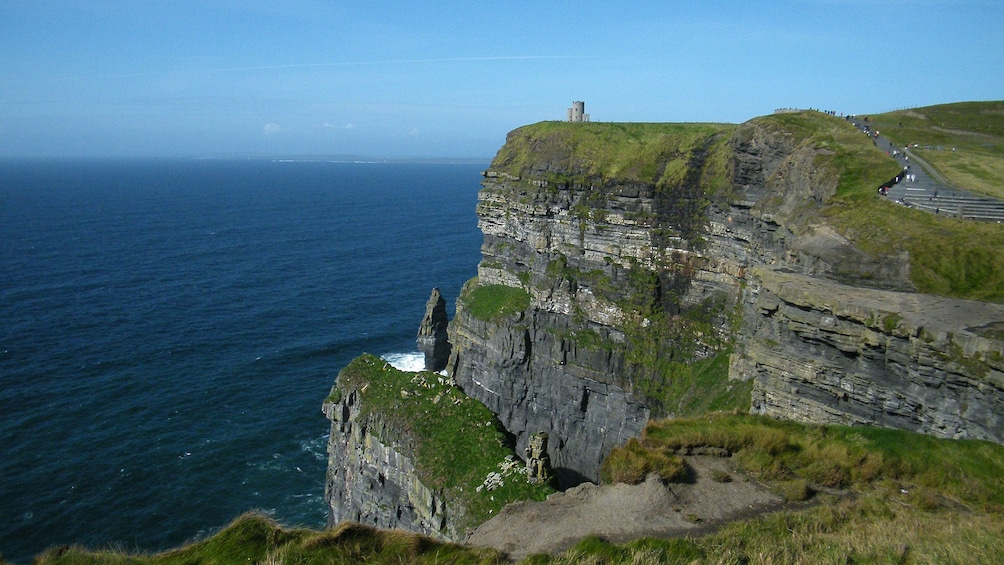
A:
[432,334]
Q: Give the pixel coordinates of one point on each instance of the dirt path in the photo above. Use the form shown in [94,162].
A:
[620,513]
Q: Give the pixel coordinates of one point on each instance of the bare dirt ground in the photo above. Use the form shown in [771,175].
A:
[619,513]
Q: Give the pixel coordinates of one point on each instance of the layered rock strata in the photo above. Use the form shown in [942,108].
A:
[823,352]
[578,243]
[690,241]
[601,259]
[371,479]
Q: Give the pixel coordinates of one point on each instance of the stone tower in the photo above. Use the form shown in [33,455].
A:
[577,113]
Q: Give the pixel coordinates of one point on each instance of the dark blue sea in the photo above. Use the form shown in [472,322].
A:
[169,329]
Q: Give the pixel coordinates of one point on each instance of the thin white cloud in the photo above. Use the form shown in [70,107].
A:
[272,128]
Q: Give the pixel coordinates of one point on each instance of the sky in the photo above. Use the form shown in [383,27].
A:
[162,78]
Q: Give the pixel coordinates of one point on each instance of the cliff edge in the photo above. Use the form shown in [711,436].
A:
[639,271]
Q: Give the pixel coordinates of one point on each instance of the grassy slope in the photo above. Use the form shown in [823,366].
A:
[457,440]
[974,129]
[255,539]
[948,257]
[902,497]
[885,496]
[651,153]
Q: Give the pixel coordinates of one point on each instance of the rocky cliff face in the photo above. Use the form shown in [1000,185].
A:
[371,479]
[620,265]
[824,352]
[616,255]
[410,450]
[602,259]
[831,334]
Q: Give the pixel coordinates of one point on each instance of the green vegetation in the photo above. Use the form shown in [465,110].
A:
[862,459]
[944,497]
[653,153]
[492,302]
[633,462]
[948,257]
[964,142]
[842,152]
[884,496]
[253,538]
[847,531]
[457,441]
[689,389]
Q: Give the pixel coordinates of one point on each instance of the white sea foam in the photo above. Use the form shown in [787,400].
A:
[317,447]
[411,362]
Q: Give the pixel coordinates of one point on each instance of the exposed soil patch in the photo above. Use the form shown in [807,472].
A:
[619,513]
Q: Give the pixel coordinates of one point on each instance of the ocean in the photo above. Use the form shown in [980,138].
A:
[169,329]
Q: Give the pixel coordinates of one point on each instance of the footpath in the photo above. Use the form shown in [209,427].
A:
[922,188]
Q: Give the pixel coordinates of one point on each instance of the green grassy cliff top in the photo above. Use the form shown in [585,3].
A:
[628,152]
[964,142]
[457,441]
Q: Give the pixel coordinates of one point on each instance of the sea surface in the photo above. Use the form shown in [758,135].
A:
[169,329]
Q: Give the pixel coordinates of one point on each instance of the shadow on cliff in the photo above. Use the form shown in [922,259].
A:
[565,478]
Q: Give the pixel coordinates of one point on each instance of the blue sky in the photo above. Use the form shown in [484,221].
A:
[449,79]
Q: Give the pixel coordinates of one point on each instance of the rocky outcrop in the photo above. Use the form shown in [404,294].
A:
[433,339]
[410,450]
[371,479]
[535,380]
[602,259]
[824,352]
[627,270]
[613,254]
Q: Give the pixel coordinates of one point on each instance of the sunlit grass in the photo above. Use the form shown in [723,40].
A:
[454,440]
[964,141]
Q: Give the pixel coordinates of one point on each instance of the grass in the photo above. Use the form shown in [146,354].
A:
[863,530]
[688,389]
[652,153]
[964,141]
[456,442]
[633,462]
[958,472]
[908,498]
[948,257]
[253,538]
[847,157]
[492,302]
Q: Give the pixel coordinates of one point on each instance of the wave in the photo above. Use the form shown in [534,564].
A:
[410,362]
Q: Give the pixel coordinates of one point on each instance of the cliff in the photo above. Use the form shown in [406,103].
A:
[823,352]
[642,249]
[411,451]
[638,271]
[598,226]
